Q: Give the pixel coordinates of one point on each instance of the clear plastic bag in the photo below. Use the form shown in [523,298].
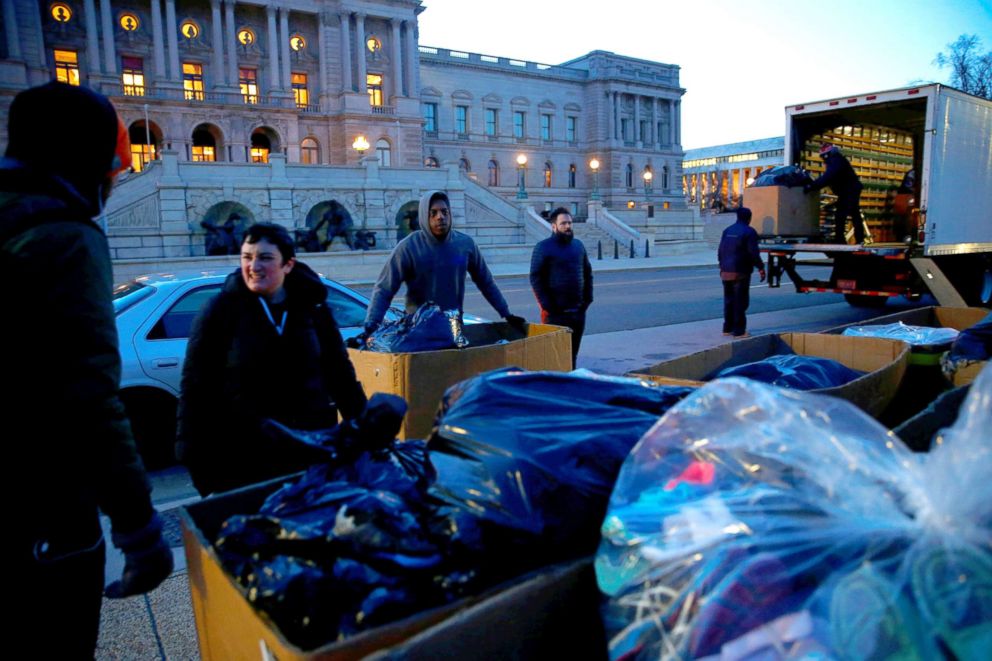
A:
[754,522]
[913,335]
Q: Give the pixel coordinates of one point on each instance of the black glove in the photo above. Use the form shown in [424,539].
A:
[362,339]
[516,322]
[147,560]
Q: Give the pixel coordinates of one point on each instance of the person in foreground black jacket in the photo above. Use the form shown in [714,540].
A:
[70,451]
[266,346]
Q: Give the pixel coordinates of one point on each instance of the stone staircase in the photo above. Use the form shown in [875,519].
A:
[590,235]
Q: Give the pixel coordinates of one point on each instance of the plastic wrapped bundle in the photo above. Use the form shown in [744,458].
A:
[783,175]
[761,523]
[916,336]
[427,329]
[796,372]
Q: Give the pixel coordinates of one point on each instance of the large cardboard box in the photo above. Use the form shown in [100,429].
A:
[421,378]
[781,211]
[883,360]
[531,617]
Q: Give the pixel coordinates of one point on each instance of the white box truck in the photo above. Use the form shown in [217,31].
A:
[932,231]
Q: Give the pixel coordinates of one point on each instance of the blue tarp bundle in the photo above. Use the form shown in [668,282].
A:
[795,371]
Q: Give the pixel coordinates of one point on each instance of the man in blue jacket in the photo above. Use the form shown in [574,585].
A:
[738,255]
[561,277]
[433,262]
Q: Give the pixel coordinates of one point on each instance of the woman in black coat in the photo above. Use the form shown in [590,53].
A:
[267,346]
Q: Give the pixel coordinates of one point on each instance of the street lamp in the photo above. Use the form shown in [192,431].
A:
[648,176]
[360,145]
[594,166]
[522,164]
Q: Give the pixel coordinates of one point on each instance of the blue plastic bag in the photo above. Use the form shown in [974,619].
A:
[427,329]
[790,176]
[758,522]
[795,371]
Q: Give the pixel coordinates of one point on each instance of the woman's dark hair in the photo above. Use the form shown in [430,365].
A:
[275,234]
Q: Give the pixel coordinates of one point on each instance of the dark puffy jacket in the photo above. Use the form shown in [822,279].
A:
[738,251]
[69,448]
[839,175]
[240,371]
[560,275]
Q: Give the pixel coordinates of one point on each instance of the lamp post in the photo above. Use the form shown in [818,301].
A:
[648,176]
[361,145]
[594,166]
[522,165]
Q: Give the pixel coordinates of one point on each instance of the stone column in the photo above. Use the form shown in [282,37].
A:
[346,85]
[284,48]
[232,43]
[397,49]
[675,123]
[270,29]
[172,41]
[109,53]
[638,138]
[655,135]
[322,19]
[10,29]
[217,35]
[411,59]
[92,39]
[158,39]
[616,116]
[360,52]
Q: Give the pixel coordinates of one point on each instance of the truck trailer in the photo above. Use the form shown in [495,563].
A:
[924,157]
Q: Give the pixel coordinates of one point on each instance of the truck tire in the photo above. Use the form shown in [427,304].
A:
[862,301]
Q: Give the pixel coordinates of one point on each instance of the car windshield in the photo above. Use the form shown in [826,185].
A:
[128,293]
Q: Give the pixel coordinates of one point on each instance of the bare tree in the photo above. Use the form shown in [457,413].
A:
[971,70]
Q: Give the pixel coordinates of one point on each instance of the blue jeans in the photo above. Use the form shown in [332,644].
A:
[736,298]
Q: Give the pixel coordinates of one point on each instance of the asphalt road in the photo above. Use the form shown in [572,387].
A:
[627,300]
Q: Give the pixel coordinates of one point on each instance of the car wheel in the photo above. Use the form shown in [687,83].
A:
[153,423]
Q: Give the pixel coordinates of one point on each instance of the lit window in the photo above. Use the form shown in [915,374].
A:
[297,42]
[373,44]
[431,162]
[260,147]
[189,29]
[519,123]
[461,120]
[430,117]
[493,173]
[246,37]
[142,146]
[61,12]
[382,153]
[545,127]
[248,80]
[204,147]
[491,117]
[571,176]
[129,22]
[547,175]
[571,126]
[300,93]
[133,76]
[193,81]
[67,67]
[373,82]
[309,152]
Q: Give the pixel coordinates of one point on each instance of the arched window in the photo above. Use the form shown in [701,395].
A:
[260,147]
[547,174]
[431,162]
[629,177]
[571,175]
[204,147]
[463,165]
[493,173]
[143,147]
[383,153]
[309,152]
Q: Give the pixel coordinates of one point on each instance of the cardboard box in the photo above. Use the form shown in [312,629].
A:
[781,211]
[554,608]
[883,360]
[421,378]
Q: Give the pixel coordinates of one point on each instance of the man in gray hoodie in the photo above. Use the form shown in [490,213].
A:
[433,262]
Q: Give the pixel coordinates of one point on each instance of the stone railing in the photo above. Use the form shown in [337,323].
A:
[536,227]
[617,229]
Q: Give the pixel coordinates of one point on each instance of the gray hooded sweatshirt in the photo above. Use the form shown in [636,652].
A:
[433,270]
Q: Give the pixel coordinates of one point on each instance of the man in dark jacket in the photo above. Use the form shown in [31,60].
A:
[561,277]
[738,255]
[267,346]
[69,448]
[433,262]
[844,182]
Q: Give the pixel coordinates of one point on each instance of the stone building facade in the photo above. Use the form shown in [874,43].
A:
[256,101]
[715,177]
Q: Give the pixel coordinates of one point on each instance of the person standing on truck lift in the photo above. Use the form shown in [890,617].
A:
[738,255]
[844,182]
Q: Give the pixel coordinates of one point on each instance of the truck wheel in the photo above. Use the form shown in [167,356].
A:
[153,423]
[862,301]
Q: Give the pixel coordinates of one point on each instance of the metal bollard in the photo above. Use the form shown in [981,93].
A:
[632,249]
[599,249]
[647,248]
[616,249]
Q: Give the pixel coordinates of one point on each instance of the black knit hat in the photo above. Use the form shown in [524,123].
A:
[66,130]
[743,214]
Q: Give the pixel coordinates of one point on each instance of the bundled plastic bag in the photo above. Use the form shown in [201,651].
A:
[760,523]
[536,453]
[790,176]
[795,371]
[916,336]
[427,329]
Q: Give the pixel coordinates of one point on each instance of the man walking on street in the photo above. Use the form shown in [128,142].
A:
[70,451]
[433,262]
[844,182]
[561,277]
[738,255]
